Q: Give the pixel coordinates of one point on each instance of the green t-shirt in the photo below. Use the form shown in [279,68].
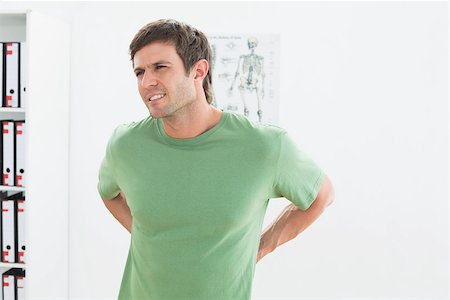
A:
[198,204]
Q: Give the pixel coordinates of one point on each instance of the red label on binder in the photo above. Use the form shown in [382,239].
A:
[5,254]
[8,99]
[9,51]
[19,177]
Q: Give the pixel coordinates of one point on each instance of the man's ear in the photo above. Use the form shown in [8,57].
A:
[201,69]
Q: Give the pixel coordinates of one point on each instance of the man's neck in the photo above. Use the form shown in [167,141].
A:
[193,123]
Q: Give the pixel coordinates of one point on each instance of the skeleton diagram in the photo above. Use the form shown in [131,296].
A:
[250,71]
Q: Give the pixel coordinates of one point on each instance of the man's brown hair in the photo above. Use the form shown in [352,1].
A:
[190,43]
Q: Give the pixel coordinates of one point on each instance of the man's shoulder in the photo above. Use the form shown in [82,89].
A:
[245,126]
[124,130]
[254,131]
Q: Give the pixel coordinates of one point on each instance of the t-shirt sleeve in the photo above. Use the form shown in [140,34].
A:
[298,177]
[108,187]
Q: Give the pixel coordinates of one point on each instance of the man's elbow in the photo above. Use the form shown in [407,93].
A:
[330,200]
[119,197]
[326,193]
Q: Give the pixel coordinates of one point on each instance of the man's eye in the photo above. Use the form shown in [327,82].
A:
[138,73]
[160,67]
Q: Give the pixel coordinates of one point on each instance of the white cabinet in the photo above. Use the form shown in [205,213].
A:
[46,114]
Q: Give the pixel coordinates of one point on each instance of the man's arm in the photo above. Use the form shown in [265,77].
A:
[292,221]
[119,209]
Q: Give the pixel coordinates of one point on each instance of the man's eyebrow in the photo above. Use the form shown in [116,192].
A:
[159,62]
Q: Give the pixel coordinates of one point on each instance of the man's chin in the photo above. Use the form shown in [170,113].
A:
[156,114]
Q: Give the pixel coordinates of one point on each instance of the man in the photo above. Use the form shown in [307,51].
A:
[191,183]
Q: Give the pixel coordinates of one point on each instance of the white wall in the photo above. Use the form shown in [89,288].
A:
[364,90]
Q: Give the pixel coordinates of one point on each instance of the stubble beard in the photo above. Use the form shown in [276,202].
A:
[178,103]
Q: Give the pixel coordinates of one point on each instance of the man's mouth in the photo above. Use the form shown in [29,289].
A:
[156,97]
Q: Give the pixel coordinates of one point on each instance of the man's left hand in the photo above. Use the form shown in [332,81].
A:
[263,250]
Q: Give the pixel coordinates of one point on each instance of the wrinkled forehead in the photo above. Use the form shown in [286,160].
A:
[156,52]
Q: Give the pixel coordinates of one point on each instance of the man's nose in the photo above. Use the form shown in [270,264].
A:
[148,80]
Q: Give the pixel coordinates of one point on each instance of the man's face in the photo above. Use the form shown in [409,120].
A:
[162,81]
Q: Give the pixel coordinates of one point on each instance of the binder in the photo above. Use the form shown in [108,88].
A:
[19,153]
[7,284]
[1,155]
[13,283]
[2,270]
[20,284]
[8,152]
[3,196]
[13,227]
[8,231]
[21,249]
[12,66]
[23,62]
[2,74]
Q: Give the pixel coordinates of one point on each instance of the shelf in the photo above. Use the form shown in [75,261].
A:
[12,109]
[47,123]
[13,26]
[12,265]
[15,11]
[12,188]
[12,113]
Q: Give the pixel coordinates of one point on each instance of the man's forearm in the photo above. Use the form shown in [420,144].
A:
[120,210]
[290,223]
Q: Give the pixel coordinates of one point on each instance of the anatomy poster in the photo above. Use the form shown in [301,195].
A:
[245,71]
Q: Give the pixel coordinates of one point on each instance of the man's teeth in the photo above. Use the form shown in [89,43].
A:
[157,97]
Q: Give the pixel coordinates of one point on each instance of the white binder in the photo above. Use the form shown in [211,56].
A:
[13,280]
[2,270]
[19,130]
[23,74]
[8,285]
[8,229]
[12,74]
[21,230]
[20,287]
[3,196]
[8,152]
[1,73]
